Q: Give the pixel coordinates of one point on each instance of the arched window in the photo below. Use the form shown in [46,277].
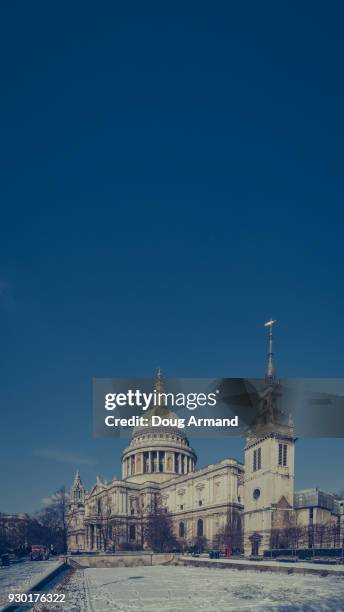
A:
[132,532]
[181,530]
[200,528]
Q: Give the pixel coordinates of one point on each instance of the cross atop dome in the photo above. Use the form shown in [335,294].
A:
[159,389]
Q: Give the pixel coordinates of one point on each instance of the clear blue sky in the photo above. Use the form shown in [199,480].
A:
[171,175]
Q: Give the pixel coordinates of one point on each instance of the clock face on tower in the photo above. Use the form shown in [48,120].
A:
[256,493]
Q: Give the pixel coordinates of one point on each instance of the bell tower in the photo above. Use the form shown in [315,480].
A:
[77,493]
[269,465]
[76,514]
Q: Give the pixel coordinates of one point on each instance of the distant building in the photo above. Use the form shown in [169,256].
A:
[260,493]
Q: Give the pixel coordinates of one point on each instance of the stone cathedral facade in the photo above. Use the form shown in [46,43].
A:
[159,462]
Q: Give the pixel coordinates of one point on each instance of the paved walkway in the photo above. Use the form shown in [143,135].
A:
[21,577]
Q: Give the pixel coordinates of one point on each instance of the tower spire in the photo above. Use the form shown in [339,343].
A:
[77,493]
[270,372]
[77,478]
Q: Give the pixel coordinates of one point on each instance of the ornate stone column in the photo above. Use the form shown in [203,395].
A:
[100,537]
[150,461]
[97,538]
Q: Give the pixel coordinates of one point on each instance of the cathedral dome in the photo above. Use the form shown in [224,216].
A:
[158,451]
[164,413]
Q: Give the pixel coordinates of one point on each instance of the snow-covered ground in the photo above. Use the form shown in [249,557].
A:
[17,578]
[72,584]
[188,589]
[192,589]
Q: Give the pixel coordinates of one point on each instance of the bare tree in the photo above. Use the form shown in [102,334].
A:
[5,534]
[19,532]
[200,543]
[113,530]
[230,535]
[184,533]
[141,522]
[293,536]
[275,539]
[54,518]
[118,533]
[334,535]
[290,535]
[105,522]
[321,534]
[159,533]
